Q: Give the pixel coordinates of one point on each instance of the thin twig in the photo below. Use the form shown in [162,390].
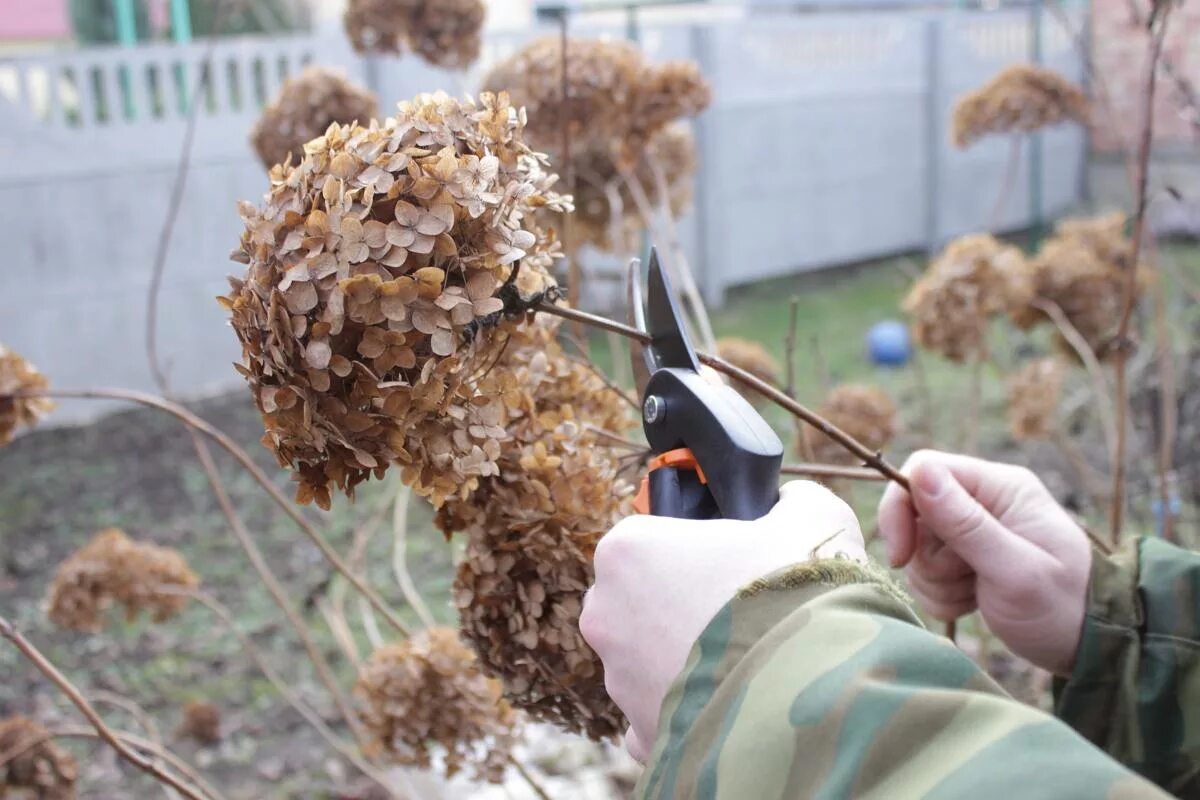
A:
[1010,179]
[278,594]
[585,360]
[615,439]
[873,459]
[789,348]
[276,680]
[133,740]
[1091,365]
[79,701]
[192,421]
[533,783]
[1129,295]
[675,243]
[175,202]
[831,471]
[408,586]
[679,269]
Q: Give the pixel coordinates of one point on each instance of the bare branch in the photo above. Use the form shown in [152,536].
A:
[79,701]
[1129,298]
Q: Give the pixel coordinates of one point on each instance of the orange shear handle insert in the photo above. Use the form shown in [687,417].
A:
[682,458]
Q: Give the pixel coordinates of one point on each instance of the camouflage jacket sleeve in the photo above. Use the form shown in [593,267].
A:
[1135,690]
[819,682]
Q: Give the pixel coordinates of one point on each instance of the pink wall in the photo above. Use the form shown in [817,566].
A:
[34,19]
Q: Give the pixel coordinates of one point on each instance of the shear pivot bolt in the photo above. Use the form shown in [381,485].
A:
[653,409]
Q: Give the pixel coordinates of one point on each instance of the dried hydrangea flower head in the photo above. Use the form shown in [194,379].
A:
[201,721]
[18,375]
[531,532]
[427,695]
[114,569]
[304,109]
[1034,392]
[385,272]
[1022,98]
[616,99]
[614,224]
[1083,269]
[974,278]
[44,771]
[865,412]
[752,357]
[446,33]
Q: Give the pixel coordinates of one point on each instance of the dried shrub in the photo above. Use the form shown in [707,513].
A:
[18,375]
[446,33]
[531,532]
[1022,98]
[114,569]
[617,101]
[752,357]
[1034,392]
[1083,269]
[201,721]
[610,226]
[974,278]
[428,692]
[44,771]
[865,412]
[382,282]
[304,109]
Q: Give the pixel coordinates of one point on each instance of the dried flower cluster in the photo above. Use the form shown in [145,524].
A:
[1022,98]
[304,109]
[44,771]
[428,692]
[606,214]
[385,272]
[1083,269]
[865,412]
[1033,395]
[616,100]
[446,33]
[201,721]
[752,357]
[974,278]
[18,375]
[531,532]
[112,568]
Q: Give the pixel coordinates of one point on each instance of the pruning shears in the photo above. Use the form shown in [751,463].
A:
[714,455]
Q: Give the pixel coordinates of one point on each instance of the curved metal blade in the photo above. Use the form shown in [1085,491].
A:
[672,347]
[642,363]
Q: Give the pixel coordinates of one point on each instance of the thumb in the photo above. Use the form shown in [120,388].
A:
[950,513]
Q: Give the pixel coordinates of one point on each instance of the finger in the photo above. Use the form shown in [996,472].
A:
[958,519]
[897,524]
[934,560]
[993,484]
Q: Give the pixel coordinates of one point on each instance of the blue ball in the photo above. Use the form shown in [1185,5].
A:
[888,344]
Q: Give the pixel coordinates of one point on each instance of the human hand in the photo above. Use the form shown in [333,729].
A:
[659,582]
[977,534]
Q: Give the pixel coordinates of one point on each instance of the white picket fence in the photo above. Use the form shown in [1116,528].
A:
[827,143]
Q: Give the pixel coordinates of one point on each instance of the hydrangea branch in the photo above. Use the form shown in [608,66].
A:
[809,470]
[1158,28]
[77,699]
[192,421]
[1091,364]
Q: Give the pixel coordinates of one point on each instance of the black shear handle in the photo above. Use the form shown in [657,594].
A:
[677,492]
